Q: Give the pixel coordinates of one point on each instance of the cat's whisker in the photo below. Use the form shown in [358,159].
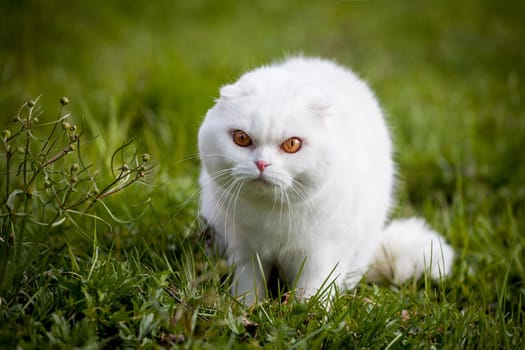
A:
[189,199]
[217,156]
[225,194]
[184,204]
[236,191]
[197,192]
[222,195]
[290,217]
[190,156]
[274,202]
[301,191]
[218,174]
[281,201]
[230,197]
[235,199]
[221,198]
[215,176]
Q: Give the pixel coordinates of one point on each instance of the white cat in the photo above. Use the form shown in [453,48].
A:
[297,172]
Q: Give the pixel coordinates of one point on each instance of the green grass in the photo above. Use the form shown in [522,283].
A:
[128,270]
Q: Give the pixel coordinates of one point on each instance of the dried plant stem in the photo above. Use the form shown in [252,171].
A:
[53,130]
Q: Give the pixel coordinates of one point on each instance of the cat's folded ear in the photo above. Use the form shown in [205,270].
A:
[230,91]
[321,105]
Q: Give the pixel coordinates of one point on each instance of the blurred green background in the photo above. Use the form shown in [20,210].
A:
[449,75]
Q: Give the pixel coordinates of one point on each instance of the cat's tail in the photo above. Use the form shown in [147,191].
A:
[408,249]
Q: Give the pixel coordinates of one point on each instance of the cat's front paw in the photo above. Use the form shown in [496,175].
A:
[249,285]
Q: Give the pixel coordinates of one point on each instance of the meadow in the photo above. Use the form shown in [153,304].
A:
[100,103]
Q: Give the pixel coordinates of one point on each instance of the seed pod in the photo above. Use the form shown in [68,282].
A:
[64,101]
[6,134]
[31,103]
[75,167]
[145,157]
[73,138]
[66,126]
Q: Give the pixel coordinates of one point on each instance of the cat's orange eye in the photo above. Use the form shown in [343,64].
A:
[291,145]
[241,138]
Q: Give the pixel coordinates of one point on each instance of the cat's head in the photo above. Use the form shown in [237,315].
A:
[266,132]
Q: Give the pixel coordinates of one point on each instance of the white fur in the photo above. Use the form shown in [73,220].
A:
[408,249]
[325,206]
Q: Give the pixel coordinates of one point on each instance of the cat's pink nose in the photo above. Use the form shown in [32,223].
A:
[261,165]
